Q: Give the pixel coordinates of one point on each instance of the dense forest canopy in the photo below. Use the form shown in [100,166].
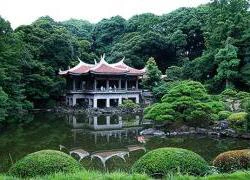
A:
[210,44]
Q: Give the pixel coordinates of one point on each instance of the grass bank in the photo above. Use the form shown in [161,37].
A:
[89,175]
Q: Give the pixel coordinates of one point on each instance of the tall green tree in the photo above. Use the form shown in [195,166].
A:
[228,65]
[13,99]
[152,75]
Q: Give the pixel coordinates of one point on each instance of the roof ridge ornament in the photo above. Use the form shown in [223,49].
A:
[79,60]
[123,59]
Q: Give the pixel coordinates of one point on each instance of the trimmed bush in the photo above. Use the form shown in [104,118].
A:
[43,163]
[171,160]
[224,115]
[233,160]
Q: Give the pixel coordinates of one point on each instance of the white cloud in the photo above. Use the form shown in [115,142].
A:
[20,12]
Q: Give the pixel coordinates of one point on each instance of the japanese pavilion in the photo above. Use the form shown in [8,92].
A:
[102,84]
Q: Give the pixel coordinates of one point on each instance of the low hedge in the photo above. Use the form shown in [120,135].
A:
[233,160]
[43,163]
[163,161]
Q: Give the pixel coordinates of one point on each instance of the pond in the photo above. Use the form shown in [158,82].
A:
[102,135]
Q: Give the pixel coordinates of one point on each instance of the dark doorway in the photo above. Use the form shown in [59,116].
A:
[101,103]
[133,99]
[114,102]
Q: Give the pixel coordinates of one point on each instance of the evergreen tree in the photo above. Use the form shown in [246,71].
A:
[152,76]
[228,65]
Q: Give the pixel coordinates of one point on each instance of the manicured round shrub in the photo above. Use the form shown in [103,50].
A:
[223,115]
[171,160]
[43,163]
[233,160]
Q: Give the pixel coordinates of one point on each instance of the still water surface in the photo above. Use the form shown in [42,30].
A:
[98,134]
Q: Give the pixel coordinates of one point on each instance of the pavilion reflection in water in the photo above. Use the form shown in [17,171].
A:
[106,126]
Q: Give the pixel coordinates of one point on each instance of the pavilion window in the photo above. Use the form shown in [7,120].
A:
[114,84]
[131,84]
[78,84]
[123,86]
[100,84]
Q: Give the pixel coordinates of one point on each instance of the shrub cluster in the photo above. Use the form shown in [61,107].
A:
[171,160]
[129,104]
[233,160]
[43,163]
[238,121]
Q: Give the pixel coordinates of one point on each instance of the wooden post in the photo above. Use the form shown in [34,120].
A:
[120,84]
[136,85]
[95,103]
[74,84]
[107,85]
[107,102]
[126,84]
[95,84]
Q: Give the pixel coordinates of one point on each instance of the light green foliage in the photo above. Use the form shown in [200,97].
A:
[129,104]
[237,117]
[238,121]
[43,163]
[171,160]
[186,101]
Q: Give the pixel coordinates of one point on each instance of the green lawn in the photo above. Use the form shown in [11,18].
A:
[87,175]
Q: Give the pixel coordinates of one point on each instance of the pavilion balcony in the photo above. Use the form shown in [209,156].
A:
[106,91]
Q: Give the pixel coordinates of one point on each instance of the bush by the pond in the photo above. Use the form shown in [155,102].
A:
[238,121]
[43,163]
[129,104]
[233,160]
[171,160]
[186,101]
[237,117]
[224,115]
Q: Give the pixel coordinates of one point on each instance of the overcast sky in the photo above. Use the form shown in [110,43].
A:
[20,12]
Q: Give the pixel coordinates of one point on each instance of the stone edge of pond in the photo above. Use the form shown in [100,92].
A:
[97,111]
[196,131]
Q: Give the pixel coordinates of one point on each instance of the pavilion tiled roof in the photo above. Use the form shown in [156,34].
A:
[119,68]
